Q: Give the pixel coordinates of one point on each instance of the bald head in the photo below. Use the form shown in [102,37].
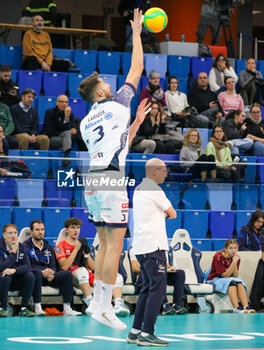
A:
[156,170]
[62,102]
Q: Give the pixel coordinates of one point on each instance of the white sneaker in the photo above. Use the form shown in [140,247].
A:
[109,319]
[39,312]
[91,308]
[70,312]
[121,310]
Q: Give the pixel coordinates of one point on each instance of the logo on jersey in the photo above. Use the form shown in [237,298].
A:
[124,205]
[98,155]
[108,116]
[115,127]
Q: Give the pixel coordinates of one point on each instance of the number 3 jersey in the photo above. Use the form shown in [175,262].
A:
[105,130]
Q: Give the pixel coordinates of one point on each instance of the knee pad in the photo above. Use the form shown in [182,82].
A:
[119,280]
[82,275]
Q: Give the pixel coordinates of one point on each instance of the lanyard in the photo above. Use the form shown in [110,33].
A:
[258,240]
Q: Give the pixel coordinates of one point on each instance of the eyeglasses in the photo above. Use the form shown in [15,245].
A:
[202,77]
[60,101]
[194,135]
[255,112]
[218,131]
[221,59]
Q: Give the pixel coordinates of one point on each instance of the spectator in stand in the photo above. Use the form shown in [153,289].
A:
[224,276]
[191,152]
[177,105]
[74,255]
[251,84]
[235,128]
[255,129]
[15,271]
[205,101]
[251,236]
[63,128]
[219,147]
[153,91]
[229,99]
[220,70]
[45,8]
[43,264]
[9,91]
[153,127]
[37,50]
[6,121]
[26,120]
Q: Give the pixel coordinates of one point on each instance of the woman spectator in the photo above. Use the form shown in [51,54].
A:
[251,236]
[224,276]
[192,152]
[153,91]
[154,128]
[255,129]
[251,84]
[219,147]
[220,70]
[229,99]
[235,131]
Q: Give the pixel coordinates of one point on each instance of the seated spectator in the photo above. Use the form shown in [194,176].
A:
[235,127]
[177,105]
[74,255]
[205,101]
[191,152]
[219,147]
[153,91]
[229,99]
[9,91]
[175,278]
[251,84]
[143,145]
[6,121]
[220,70]
[62,127]
[37,50]
[153,127]
[224,276]
[43,265]
[26,120]
[15,271]
[255,129]
[45,8]
[251,236]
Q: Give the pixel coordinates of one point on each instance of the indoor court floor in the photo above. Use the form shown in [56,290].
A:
[191,331]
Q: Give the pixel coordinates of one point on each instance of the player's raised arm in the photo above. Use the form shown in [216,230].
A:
[136,68]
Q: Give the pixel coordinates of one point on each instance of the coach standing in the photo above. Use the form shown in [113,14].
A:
[150,243]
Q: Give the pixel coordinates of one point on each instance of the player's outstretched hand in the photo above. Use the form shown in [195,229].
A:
[136,24]
[141,111]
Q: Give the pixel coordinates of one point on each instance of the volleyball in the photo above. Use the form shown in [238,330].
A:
[155,20]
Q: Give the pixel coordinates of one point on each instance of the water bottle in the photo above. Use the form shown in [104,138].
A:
[167,36]
[183,38]
[63,23]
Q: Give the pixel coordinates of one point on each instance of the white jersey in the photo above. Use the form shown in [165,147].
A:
[105,130]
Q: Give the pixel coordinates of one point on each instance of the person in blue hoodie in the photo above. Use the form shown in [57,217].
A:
[43,264]
[15,271]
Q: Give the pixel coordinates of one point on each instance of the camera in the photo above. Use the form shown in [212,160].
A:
[224,7]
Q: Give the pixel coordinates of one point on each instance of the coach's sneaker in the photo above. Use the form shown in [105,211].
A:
[39,312]
[240,310]
[151,340]
[109,319]
[68,311]
[179,309]
[168,310]
[121,310]
[132,338]
[3,312]
[250,310]
[26,312]
[91,308]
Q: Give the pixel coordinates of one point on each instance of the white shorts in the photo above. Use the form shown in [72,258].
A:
[107,204]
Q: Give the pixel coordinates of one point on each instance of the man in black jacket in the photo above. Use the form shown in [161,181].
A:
[15,271]
[26,122]
[9,91]
[204,100]
[43,264]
